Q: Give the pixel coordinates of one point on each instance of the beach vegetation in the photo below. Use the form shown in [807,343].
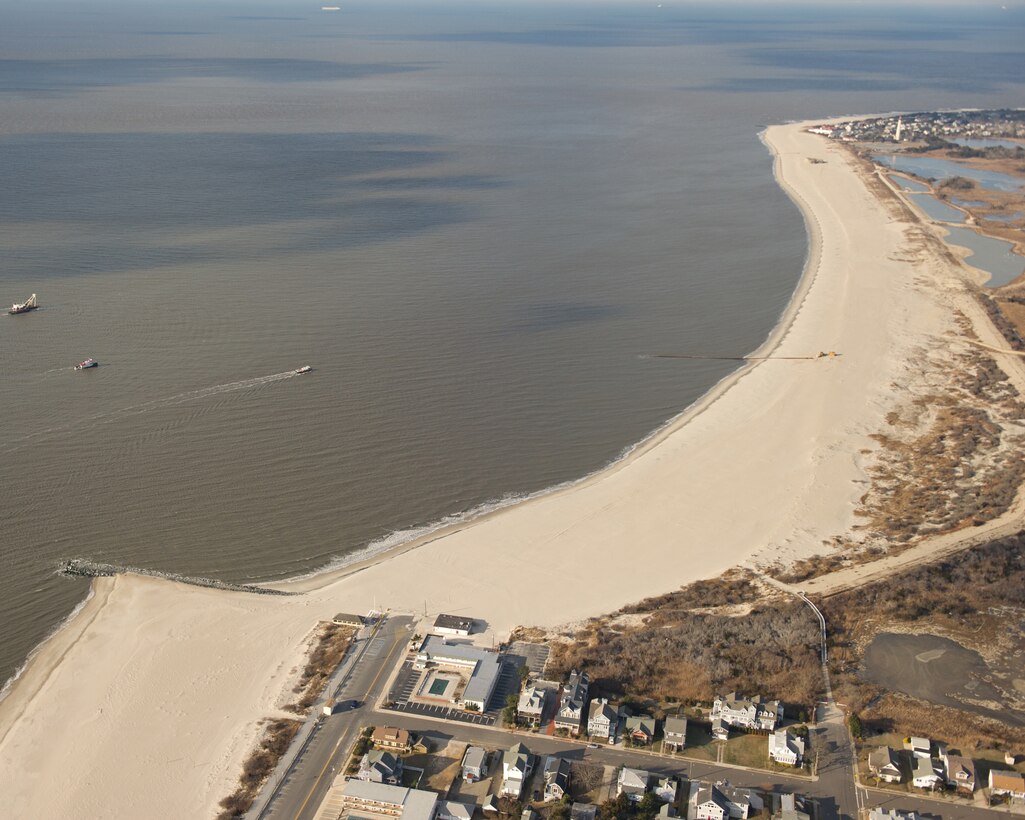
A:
[276,738]
[331,643]
[692,644]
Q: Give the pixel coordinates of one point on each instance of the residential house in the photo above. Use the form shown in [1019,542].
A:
[531,706]
[475,764]
[453,810]
[918,746]
[924,774]
[602,719]
[720,730]
[528,814]
[717,801]
[359,796]
[390,737]
[885,765]
[573,702]
[633,783]
[892,814]
[490,806]
[785,748]
[666,788]
[379,766]
[747,713]
[790,806]
[517,764]
[641,729]
[708,803]
[960,773]
[556,775]
[674,730]
[1009,783]
[583,811]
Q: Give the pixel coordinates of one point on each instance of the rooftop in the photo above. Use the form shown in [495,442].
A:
[453,622]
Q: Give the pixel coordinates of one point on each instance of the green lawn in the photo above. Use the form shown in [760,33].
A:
[700,744]
[748,750]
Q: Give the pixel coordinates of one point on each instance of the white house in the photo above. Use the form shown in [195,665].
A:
[785,748]
[453,810]
[556,776]
[924,775]
[633,783]
[918,746]
[960,773]
[747,713]
[475,764]
[453,625]
[602,719]
[1009,783]
[531,705]
[571,706]
[379,766]
[666,788]
[517,764]
[883,763]
[674,730]
[717,801]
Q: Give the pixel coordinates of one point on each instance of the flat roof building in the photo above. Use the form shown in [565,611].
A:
[391,801]
[453,625]
[485,668]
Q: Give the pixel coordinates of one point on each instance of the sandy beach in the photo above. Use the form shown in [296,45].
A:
[146,704]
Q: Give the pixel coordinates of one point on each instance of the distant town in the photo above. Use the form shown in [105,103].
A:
[933,126]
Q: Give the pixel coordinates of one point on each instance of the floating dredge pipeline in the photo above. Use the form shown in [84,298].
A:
[90,569]
[832,354]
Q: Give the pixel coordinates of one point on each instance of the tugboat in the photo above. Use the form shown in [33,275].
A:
[24,307]
[304,369]
[86,364]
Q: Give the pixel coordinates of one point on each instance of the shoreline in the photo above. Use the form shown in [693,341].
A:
[317,579]
[771,474]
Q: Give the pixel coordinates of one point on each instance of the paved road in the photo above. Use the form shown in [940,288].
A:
[834,789]
[308,782]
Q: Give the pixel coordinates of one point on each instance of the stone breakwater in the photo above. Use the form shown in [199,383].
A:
[81,568]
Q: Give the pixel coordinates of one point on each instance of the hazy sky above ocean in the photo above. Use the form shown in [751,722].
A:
[473,220]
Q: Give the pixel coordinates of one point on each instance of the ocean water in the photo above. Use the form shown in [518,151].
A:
[475,222]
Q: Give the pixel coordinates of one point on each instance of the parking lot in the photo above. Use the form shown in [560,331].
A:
[534,656]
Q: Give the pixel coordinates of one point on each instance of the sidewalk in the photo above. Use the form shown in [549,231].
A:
[311,726]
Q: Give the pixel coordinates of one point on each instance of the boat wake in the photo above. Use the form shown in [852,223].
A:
[110,417]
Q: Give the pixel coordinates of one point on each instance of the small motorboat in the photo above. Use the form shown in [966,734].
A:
[87,364]
[304,369]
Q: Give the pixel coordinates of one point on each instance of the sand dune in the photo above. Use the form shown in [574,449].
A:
[146,705]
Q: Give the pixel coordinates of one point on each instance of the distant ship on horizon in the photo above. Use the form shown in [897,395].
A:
[24,307]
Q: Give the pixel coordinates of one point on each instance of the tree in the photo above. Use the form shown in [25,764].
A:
[854,724]
[524,674]
[619,808]
[648,806]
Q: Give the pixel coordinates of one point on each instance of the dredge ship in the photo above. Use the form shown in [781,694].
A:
[24,307]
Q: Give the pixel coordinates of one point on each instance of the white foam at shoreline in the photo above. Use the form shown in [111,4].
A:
[39,646]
